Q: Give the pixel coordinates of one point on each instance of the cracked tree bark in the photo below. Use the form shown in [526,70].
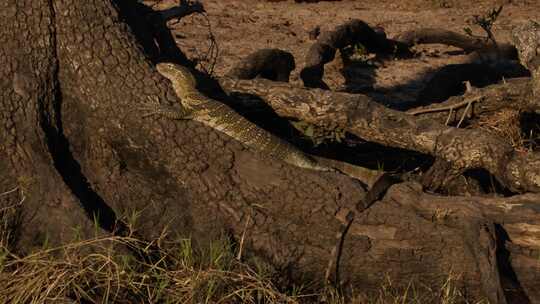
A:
[73,141]
[359,115]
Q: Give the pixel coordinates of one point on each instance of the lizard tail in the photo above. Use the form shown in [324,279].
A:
[366,176]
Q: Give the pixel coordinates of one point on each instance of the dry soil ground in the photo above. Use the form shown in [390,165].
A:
[243,26]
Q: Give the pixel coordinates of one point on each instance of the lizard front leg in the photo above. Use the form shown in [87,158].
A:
[167,111]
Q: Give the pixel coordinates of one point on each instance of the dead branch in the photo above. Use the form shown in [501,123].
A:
[359,115]
[512,94]
[527,40]
[272,64]
[466,43]
[184,8]
[354,31]
[516,217]
[449,107]
[433,35]
[448,80]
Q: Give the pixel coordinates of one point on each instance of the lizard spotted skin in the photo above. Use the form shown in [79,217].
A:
[197,107]
[221,117]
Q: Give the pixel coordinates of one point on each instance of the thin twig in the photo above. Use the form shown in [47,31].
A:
[346,217]
[468,89]
[213,50]
[446,108]
[448,118]
[468,86]
[10,191]
[241,247]
[464,114]
[14,205]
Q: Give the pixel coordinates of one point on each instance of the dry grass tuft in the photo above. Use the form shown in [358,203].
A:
[505,123]
[95,270]
[118,269]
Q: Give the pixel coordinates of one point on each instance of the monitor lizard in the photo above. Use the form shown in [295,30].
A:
[198,107]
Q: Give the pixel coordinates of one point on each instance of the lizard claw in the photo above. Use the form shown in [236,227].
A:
[149,109]
[165,110]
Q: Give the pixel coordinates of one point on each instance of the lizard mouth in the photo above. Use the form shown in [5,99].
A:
[165,69]
[177,74]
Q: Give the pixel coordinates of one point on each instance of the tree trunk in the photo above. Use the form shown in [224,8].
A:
[75,144]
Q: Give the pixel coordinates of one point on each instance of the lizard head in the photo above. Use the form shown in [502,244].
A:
[177,74]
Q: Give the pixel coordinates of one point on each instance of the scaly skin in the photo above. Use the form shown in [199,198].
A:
[195,106]
[224,119]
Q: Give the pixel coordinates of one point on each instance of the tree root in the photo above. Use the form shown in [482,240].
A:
[359,115]
[272,64]
[354,31]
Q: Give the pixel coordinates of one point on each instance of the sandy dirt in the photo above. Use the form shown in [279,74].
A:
[243,26]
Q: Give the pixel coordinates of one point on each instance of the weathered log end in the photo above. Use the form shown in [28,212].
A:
[527,40]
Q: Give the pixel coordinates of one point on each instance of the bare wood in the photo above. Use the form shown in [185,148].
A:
[518,215]
[359,115]
[467,43]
